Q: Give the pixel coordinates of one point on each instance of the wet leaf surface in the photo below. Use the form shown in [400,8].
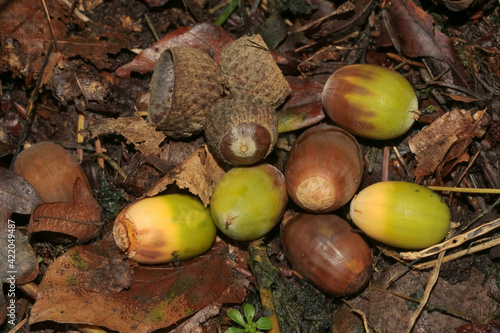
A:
[92,285]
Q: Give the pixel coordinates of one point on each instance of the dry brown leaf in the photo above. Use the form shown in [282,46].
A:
[135,129]
[80,219]
[442,141]
[198,173]
[27,35]
[92,285]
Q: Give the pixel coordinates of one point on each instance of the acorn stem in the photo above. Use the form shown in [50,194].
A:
[465,190]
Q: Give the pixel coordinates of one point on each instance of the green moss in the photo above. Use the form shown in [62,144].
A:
[78,261]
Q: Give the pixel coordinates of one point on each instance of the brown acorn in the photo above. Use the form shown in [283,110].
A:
[185,84]
[324,168]
[325,250]
[248,66]
[241,129]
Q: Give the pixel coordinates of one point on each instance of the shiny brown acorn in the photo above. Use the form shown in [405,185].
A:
[325,250]
[241,129]
[185,84]
[324,169]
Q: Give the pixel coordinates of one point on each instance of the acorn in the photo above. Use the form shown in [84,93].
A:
[186,83]
[165,228]
[241,129]
[324,168]
[52,170]
[249,67]
[401,214]
[248,202]
[370,101]
[324,249]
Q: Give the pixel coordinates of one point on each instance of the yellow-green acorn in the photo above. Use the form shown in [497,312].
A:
[249,201]
[164,229]
[401,214]
[370,101]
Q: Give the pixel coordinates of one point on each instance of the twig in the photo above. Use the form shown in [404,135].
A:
[110,161]
[459,254]
[465,190]
[452,242]
[428,289]
[366,323]
[151,27]
[53,37]
[31,105]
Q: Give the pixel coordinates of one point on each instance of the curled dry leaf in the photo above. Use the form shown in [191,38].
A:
[206,37]
[198,173]
[80,219]
[85,285]
[304,107]
[444,140]
[135,129]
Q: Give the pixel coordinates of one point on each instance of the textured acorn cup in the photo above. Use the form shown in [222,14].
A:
[185,84]
[241,129]
[370,101]
[248,66]
[164,229]
[325,250]
[52,171]
[401,214]
[248,202]
[324,168]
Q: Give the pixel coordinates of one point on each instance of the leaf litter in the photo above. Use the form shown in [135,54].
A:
[96,77]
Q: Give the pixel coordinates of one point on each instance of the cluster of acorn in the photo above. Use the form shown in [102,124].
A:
[322,174]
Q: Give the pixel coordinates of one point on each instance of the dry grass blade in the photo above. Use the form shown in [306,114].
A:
[452,242]
[366,323]
[428,289]
[486,245]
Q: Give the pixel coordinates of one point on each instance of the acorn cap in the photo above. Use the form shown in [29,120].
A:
[241,129]
[185,84]
[248,66]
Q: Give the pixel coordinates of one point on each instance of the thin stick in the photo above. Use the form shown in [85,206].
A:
[465,190]
[151,27]
[459,254]
[50,24]
[428,289]
[452,242]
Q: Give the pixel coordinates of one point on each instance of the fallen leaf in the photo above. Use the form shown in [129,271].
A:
[17,260]
[135,129]
[304,107]
[414,29]
[388,312]
[199,173]
[27,36]
[80,219]
[444,140]
[341,22]
[76,289]
[204,36]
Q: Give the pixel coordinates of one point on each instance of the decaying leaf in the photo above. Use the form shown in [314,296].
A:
[304,107]
[27,36]
[135,129]
[341,22]
[444,140]
[450,305]
[18,261]
[414,32]
[80,219]
[198,173]
[204,36]
[85,286]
